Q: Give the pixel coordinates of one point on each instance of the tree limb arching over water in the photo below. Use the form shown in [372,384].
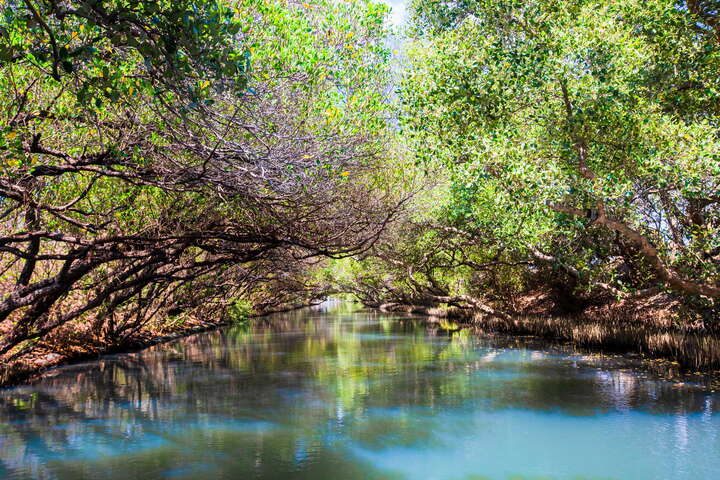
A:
[165,158]
[166,163]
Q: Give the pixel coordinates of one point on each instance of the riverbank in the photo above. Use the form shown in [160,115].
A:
[647,327]
[75,345]
[37,366]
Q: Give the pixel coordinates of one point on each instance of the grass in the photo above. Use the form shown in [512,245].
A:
[691,348]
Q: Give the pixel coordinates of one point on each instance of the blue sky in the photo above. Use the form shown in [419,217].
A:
[398,10]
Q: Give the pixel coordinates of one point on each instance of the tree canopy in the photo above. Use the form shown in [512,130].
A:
[165,159]
[167,156]
[577,142]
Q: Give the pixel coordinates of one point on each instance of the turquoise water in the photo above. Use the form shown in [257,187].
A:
[328,394]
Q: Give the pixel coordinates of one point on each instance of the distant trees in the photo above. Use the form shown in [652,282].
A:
[171,155]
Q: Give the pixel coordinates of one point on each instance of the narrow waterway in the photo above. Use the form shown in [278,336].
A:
[334,394]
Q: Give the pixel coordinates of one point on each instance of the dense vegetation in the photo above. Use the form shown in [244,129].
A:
[173,160]
[165,159]
[577,147]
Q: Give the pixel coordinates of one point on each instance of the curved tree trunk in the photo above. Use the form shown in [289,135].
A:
[670,277]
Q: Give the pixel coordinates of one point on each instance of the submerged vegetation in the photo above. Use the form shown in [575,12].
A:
[168,164]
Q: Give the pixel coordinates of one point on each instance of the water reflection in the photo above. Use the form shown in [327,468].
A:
[355,395]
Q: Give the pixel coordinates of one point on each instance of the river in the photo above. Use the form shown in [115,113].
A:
[332,393]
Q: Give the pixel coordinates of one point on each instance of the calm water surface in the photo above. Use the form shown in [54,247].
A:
[329,395]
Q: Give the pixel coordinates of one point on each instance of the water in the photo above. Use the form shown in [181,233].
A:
[330,395]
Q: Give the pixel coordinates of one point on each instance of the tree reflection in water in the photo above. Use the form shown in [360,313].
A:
[315,393]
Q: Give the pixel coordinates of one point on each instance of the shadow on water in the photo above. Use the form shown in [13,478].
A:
[311,394]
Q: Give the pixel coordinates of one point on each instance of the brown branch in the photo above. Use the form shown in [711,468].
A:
[669,276]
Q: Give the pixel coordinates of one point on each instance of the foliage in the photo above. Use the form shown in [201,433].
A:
[581,133]
[163,157]
[240,311]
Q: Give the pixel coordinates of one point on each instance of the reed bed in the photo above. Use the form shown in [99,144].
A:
[692,348]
